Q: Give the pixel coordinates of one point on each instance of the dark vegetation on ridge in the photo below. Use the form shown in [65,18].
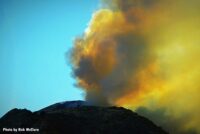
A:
[80,119]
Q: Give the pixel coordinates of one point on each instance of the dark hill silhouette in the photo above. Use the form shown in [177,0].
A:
[78,117]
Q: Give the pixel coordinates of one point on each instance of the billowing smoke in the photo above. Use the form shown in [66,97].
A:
[144,55]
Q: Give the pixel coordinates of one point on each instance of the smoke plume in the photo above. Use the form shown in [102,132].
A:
[144,55]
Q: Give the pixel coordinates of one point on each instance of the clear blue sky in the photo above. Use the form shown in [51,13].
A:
[34,37]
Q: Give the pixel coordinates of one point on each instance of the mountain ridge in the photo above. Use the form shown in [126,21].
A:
[80,117]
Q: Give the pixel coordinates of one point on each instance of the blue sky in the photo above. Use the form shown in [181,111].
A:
[34,38]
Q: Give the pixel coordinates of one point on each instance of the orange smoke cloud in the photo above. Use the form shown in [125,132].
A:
[143,55]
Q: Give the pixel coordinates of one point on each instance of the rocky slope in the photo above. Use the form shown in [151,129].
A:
[72,118]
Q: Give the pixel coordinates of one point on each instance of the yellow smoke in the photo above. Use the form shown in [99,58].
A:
[144,53]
